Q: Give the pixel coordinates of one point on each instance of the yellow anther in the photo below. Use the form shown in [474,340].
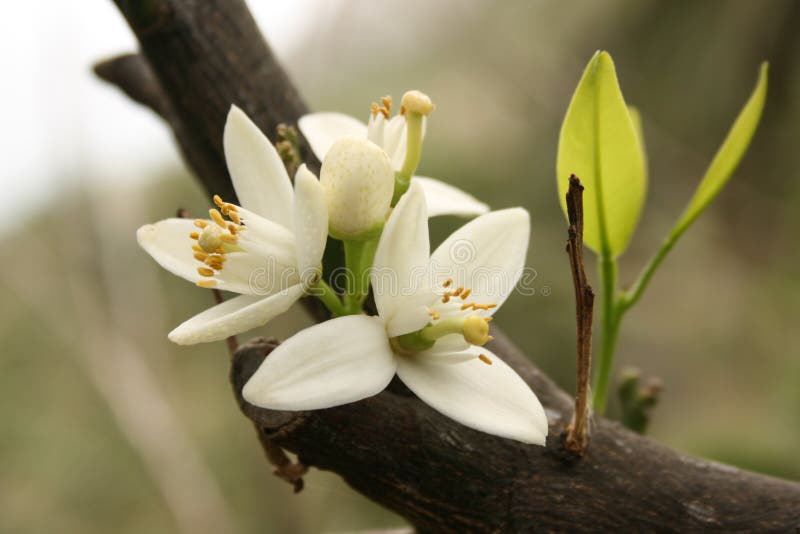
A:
[403,110]
[234,216]
[446,298]
[374,109]
[218,201]
[217,217]
[200,223]
[476,330]
[194,235]
[197,248]
[435,316]
[200,256]
[232,228]
[387,102]
[206,283]
[205,271]
[465,294]
[458,291]
[467,305]
[447,282]
[231,207]
[228,238]
[485,359]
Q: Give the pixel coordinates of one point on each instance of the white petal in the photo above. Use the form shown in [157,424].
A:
[444,199]
[452,343]
[310,222]
[322,129]
[258,174]
[168,242]
[486,255]
[336,362]
[234,316]
[490,398]
[409,318]
[395,140]
[266,238]
[399,272]
[256,275]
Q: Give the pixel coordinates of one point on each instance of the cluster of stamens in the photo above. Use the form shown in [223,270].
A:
[384,108]
[209,248]
[463,294]
[472,330]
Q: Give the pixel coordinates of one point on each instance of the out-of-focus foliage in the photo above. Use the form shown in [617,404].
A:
[600,144]
[718,325]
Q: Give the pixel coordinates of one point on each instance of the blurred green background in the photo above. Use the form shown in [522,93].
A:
[109,427]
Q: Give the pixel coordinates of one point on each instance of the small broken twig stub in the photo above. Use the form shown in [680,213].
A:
[577,432]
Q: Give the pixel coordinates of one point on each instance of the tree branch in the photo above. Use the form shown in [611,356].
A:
[393,448]
[577,431]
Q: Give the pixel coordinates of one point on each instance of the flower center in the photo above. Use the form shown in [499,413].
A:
[215,239]
[452,315]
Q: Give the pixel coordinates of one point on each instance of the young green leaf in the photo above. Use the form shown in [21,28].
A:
[599,144]
[729,154]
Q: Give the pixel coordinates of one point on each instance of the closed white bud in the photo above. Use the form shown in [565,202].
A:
[358,179]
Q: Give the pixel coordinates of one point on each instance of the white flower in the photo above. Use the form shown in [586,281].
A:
[269,249]
[430,338]
[323,129]
[358,181]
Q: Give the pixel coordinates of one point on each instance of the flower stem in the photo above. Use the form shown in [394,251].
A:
[329,298]
[358,260]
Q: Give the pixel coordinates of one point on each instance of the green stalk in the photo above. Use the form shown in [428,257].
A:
[330,299]
[611,319]
[358,260]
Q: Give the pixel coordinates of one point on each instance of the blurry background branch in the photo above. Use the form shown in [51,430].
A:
[392,448]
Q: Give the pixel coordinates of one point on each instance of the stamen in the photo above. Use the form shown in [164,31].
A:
[447,282]
[387,102]
[458,291]
[435,316]
[200,256]
[374,109]
[485,359]
[446,298]
[228,238]
[234,216]
[197,248]
[200,223]
[218,201]
[205,271]
[194,235]
[465,294]
[217,218]
[206,283]
[232,229]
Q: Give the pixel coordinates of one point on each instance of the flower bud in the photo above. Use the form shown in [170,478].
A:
[358,179]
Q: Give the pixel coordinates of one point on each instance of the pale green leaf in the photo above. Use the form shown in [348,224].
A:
[636,119]
[600,145]
[729,154]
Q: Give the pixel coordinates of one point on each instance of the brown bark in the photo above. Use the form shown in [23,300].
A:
[199,57]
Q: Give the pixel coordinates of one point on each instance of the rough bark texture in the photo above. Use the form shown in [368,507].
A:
[201,56]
